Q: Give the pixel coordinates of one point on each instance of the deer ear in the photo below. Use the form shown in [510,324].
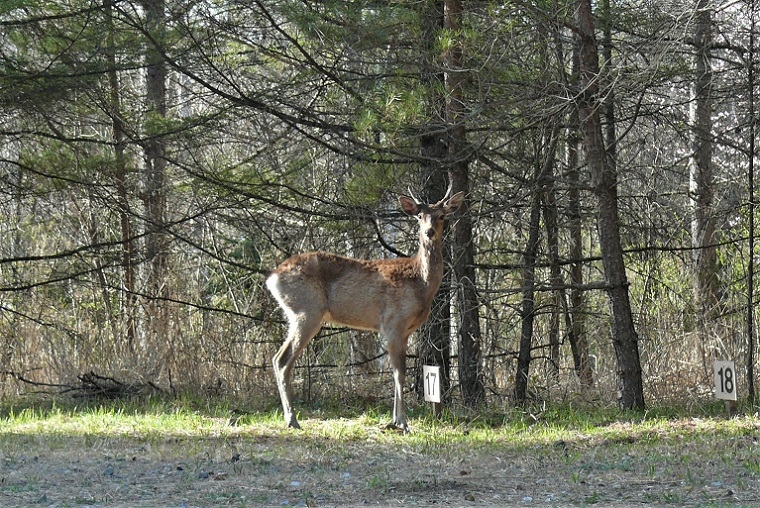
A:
[454,202]
[409,206]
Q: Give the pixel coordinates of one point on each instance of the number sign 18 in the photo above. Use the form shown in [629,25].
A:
[431,377]
[725,380]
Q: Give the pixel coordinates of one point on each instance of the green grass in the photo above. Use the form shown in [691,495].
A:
[192,418]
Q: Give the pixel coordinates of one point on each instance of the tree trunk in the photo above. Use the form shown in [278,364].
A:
[750,63]
[609,96]
[549,207]
[155,162]
[528,293]
[434,340]
[434,337]
[577,328]
[577,311]
[701,175]
[543,180]
[154,195]
[128,304]
[470,378]
[604,183]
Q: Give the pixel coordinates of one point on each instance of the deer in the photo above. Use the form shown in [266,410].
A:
[389,296]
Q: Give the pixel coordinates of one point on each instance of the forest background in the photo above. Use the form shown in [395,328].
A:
[160,157]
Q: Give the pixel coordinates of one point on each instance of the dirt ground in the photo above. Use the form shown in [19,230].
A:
[250,468]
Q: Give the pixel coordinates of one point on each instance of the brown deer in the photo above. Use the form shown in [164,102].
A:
[390,296]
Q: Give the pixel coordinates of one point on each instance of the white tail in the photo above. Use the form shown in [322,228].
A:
[390,296]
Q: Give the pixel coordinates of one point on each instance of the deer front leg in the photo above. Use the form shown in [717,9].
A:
[397,352]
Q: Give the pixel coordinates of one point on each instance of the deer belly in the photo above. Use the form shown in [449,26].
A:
[356,311]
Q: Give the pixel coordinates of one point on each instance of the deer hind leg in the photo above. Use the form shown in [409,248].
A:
[396,346]
[301,329]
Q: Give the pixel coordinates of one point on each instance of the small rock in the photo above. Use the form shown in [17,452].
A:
[469,497]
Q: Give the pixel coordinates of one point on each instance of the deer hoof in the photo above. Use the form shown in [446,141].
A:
[402,428]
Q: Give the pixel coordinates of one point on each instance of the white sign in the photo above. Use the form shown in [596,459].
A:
[725,380]
[431,378]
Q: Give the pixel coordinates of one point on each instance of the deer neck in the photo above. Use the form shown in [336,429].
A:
[430,259]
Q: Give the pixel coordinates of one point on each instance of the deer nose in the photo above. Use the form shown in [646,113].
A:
[430,232]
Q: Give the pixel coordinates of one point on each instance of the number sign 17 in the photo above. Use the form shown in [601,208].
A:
[725,380]
[431,377]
